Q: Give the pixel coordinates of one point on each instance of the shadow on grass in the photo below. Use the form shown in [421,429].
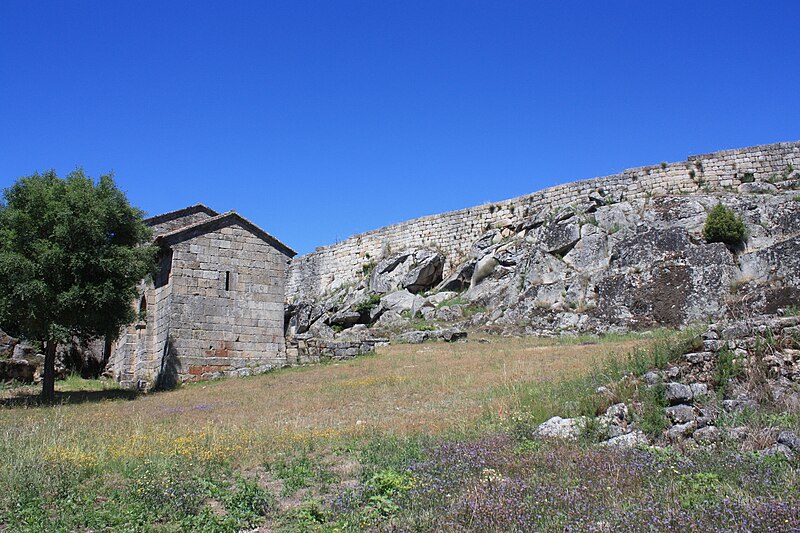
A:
[68,398]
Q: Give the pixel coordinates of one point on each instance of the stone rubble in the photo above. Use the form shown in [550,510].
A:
[763,346]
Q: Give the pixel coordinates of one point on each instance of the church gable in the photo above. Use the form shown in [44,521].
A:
[174,220]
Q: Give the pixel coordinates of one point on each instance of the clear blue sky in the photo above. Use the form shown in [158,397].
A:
[318,120]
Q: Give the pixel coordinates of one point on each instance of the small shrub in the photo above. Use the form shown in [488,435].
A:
[368,267]
[748,177]
[369,304]
[723,225]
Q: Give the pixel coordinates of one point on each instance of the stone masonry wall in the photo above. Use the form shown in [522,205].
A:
[331,266]
[215,330]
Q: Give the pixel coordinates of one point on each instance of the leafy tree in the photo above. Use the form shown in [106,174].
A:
[723,225]
[72,252]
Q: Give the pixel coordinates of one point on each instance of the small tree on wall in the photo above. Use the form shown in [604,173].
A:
[723,225]
[72,252]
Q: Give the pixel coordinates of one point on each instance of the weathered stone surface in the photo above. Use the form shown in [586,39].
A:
[450,313]
[559,237]
[677,393]
[627,440]
[698,390]
[652,378]
[707,435]
[698,358]
[388,273]
[344,318]
[17,370]
[757,187]
[681,431]
[460,279]
[790,440]
[441,297]
[425,273]
[733,406]
[561,428]
[483,269]
[450,335]
[400,301]
[412,337]
[680,414]
[618,412]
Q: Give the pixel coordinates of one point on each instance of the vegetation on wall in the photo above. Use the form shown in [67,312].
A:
[723,225]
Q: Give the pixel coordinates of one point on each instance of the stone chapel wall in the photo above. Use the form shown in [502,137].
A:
[227,300]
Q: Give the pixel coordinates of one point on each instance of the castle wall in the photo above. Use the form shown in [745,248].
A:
[453,233]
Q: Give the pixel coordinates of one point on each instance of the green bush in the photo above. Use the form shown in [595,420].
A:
[723,225]
[369,304]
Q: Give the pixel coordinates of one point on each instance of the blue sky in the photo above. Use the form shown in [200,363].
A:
[318,120]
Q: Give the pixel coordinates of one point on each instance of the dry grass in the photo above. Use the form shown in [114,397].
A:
[402,390]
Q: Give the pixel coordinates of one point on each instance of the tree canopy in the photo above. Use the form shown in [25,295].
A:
[72,252]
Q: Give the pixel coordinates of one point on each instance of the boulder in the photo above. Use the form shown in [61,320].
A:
[425,273]
[449,334]
[757,187]
[451,313]
[652,378]
[680,414]
[389,272]
[483,269]
[618,412]
[398,302]
[412,337]
[790,440]
[561,428]
[677,393]
[698,358]
[559,238]
[344,318]
[627,440]
[707,435]
[17,370]
[441,297]
[698,390]
[459,279]
[779,449]
[681,431]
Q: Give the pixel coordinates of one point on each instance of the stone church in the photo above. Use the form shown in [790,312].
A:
[215,306]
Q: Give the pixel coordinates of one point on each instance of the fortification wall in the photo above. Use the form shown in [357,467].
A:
[453,233]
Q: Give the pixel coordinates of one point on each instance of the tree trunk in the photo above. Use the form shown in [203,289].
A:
[49,378]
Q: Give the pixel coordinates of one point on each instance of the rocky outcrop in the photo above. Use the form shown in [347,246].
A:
[598,265]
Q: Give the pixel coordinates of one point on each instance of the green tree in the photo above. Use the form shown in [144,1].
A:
[723,225]
[72,252]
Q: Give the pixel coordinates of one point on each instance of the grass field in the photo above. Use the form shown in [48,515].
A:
[428,436]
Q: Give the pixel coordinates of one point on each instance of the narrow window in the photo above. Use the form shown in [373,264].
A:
[227,280]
